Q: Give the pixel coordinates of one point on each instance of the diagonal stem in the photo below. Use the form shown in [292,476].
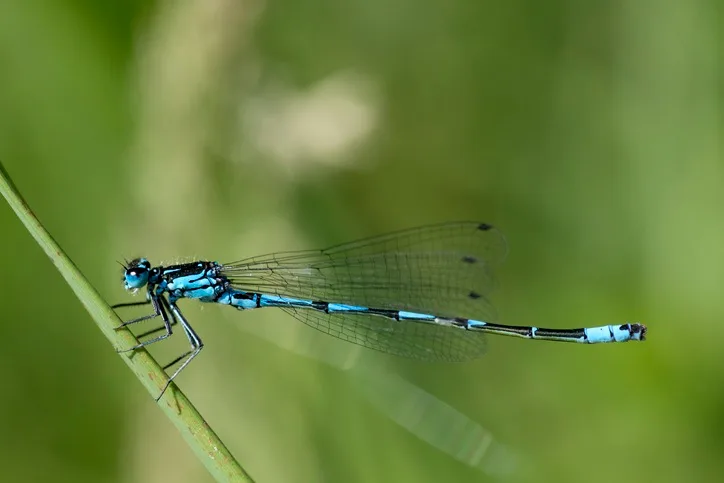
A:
[198,434]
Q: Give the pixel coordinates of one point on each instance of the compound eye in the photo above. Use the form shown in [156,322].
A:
[136,275]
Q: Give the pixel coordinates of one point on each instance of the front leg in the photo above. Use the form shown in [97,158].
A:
[130,304]
[162,328]
[159,309]
[151,298]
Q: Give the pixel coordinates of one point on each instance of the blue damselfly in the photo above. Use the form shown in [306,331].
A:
[419,293]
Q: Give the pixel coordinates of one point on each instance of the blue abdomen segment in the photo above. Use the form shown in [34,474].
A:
[614,333]
[415,316]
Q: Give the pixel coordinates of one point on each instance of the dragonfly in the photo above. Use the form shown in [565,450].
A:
[421,293]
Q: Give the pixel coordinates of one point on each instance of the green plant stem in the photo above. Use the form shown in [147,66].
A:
[197,433]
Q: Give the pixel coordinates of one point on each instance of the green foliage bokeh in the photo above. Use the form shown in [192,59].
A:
[589,133]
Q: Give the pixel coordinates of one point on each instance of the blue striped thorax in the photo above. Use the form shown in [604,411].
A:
[197,280]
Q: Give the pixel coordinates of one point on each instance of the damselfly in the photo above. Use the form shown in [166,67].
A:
[420,293]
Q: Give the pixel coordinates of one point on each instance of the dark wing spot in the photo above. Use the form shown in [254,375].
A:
[484,227]
[474,295]
[469,259]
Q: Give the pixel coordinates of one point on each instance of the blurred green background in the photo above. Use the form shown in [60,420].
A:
[588,132]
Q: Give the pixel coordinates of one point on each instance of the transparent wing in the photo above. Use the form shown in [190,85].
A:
[444,270]
[414,340]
